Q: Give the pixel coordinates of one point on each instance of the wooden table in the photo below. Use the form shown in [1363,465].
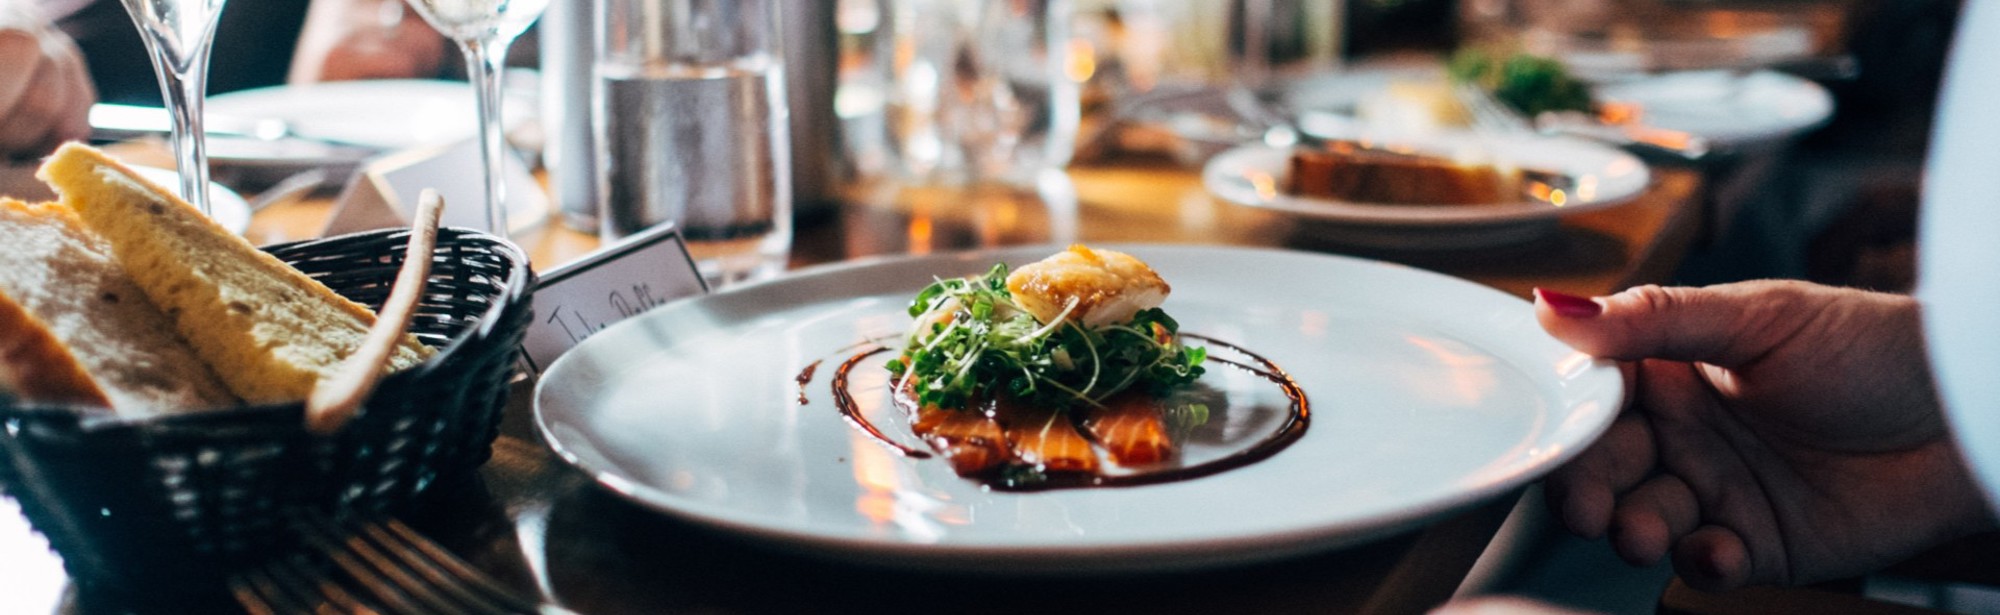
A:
[540,524]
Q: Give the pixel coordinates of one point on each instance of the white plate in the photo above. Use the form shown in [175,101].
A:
[231,211]
[1727,108]
[1254,176]
[389,114]
[1428,394]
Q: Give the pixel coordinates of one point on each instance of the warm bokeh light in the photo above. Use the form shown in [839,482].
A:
[1265,185]
[1082,64]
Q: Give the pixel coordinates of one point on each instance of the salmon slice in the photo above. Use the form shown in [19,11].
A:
[1044,438]
[1132,428]
[970,440]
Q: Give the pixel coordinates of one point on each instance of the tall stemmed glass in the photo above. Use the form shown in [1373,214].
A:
[178,34]
[483,30]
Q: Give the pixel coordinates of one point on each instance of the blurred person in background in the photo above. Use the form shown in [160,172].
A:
[367,39]
[57,57]
[45,89]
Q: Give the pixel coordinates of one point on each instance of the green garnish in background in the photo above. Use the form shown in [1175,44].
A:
[989,346]
[1528,83]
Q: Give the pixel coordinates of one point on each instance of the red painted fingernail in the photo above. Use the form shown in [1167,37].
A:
[1567,305]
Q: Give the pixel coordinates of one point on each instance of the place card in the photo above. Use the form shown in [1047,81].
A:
[616,282]
[383,193]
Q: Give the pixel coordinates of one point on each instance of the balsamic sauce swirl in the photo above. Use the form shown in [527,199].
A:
[1297,419]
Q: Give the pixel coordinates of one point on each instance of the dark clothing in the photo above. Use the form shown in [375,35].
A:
[253,48]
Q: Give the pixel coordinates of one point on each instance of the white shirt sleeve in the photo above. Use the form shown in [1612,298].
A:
[1960,243]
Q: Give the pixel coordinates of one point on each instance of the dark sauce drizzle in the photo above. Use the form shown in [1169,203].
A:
[805,376]
[1293,428]
[844,400]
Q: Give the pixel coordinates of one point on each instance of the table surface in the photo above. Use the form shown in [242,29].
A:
[539,524]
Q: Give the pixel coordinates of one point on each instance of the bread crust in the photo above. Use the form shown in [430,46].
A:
[35,365]
[269,331]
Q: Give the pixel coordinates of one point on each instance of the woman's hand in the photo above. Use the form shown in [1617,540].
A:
[1777,432]
[45,89]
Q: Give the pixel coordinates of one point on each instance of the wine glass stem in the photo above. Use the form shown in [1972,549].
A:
[484,60]
[184,88]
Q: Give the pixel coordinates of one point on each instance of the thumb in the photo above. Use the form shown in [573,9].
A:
[1725,325]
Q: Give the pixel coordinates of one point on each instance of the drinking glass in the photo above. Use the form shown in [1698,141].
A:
[986,90]
[692,128]
[483,29]
[178,35]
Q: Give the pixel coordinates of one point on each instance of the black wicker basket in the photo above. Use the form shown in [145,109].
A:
[171,504]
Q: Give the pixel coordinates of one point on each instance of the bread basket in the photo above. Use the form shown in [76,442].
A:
[172,504]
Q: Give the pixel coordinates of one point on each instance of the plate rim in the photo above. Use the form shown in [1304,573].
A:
[1821,103]
[1132,556]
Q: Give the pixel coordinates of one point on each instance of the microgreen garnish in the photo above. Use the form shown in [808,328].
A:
[973,342]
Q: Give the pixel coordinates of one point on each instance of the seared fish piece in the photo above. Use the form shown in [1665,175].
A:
[1107,287]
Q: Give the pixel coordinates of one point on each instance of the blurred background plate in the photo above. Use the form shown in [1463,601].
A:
[387,114]
[1601,176]
[1729,108]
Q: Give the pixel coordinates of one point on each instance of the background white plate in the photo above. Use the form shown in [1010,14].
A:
[231,211]
[1428,394]
[389,114]
[1255,176]
[1728,108]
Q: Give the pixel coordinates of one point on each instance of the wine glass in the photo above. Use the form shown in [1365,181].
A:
[178,35]
[483,29]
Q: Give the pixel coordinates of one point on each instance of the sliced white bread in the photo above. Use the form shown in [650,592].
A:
[268,330]
[74,327]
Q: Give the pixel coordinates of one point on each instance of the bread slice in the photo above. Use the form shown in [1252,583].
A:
[36,365]
[74,328]
[269,331]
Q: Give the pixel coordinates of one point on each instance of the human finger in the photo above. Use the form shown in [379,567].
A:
[1651,517]
[1500,605]
[27,116]
[20,50]
[74,125]
[1725,325]
[1714,558]
[1583,493]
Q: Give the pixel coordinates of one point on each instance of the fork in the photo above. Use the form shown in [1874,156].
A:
[1489,115]
[374,568]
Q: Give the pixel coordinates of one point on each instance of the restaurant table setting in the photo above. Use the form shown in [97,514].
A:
[723,434]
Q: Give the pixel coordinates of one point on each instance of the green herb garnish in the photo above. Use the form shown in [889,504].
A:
[1530,84]
[973,342]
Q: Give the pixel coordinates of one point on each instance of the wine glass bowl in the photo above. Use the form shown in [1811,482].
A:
[178,35]
[483,29]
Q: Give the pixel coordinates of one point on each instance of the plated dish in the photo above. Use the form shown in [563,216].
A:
[719,410]
[1727,108]
[1590,175]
